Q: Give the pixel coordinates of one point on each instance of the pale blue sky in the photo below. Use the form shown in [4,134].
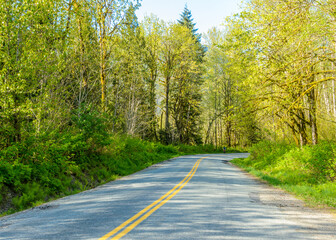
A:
[206,13]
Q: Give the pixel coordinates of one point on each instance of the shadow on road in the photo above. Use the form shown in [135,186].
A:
[219,202]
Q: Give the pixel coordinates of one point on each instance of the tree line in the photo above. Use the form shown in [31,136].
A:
[66,63]
[273,67]
[77,64]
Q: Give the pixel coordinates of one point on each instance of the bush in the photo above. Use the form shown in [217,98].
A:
[92,127]
[320,160]
[31,193]
[266,153]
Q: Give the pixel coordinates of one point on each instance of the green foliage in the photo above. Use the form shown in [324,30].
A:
[30,193]
[308,171]
[317,162]
[74,72]
[279,54]
[14,174]
[92,127]
[187,20]
[229,119]
[266,153]
[39,169]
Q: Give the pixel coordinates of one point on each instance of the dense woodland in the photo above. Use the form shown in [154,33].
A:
[73,73]
[268,74]
[274,66]
[65,61]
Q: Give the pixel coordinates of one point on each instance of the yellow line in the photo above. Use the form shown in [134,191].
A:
[133,225]
[150,206]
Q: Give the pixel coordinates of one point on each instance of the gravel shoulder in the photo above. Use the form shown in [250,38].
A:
[320,223]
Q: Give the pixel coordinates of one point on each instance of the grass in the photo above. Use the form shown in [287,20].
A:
[308,172]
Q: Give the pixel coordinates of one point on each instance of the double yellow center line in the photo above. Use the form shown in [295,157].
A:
[131,223]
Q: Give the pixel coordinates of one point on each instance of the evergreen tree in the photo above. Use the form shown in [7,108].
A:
[185,89]
[187,20]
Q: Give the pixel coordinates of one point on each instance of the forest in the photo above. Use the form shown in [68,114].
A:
[84,81]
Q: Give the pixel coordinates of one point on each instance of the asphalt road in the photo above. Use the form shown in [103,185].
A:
[190,197]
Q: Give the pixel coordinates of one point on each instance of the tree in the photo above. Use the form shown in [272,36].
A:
[289,66]
[177,45]
[228,116]
[129,87]
[31,46]
[284,52]
[83,57]
[152,28]
[187,21]
[187,94]
[109,16]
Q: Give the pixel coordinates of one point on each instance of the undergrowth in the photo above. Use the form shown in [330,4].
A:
[309,172]
[41,169]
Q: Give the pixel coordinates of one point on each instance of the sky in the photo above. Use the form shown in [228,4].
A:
[206,13]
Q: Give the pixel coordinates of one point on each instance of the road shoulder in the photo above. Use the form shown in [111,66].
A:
[318,222]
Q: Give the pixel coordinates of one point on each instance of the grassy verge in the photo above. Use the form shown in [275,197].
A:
[308,172]
[36,171]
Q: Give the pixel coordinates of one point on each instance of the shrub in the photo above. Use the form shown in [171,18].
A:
[266,153]
[321,159]
[92,127]
[31,192]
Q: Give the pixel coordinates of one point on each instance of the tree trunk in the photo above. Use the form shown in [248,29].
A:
[16,121]
[334,97]
[302,129]
[152,109]
[83,81]
[333,85]
[16,111]
[103,52]
[167,126]
[228,132]
[312,110]
[216,119]
[312,116]
[103,81]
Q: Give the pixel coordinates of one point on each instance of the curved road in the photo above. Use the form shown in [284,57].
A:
[190,197]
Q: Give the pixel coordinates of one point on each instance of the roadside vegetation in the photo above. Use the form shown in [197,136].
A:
[308,172]
[89,93]
[41,169]
[281,56]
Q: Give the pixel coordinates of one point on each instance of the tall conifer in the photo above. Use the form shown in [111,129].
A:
[188,21]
